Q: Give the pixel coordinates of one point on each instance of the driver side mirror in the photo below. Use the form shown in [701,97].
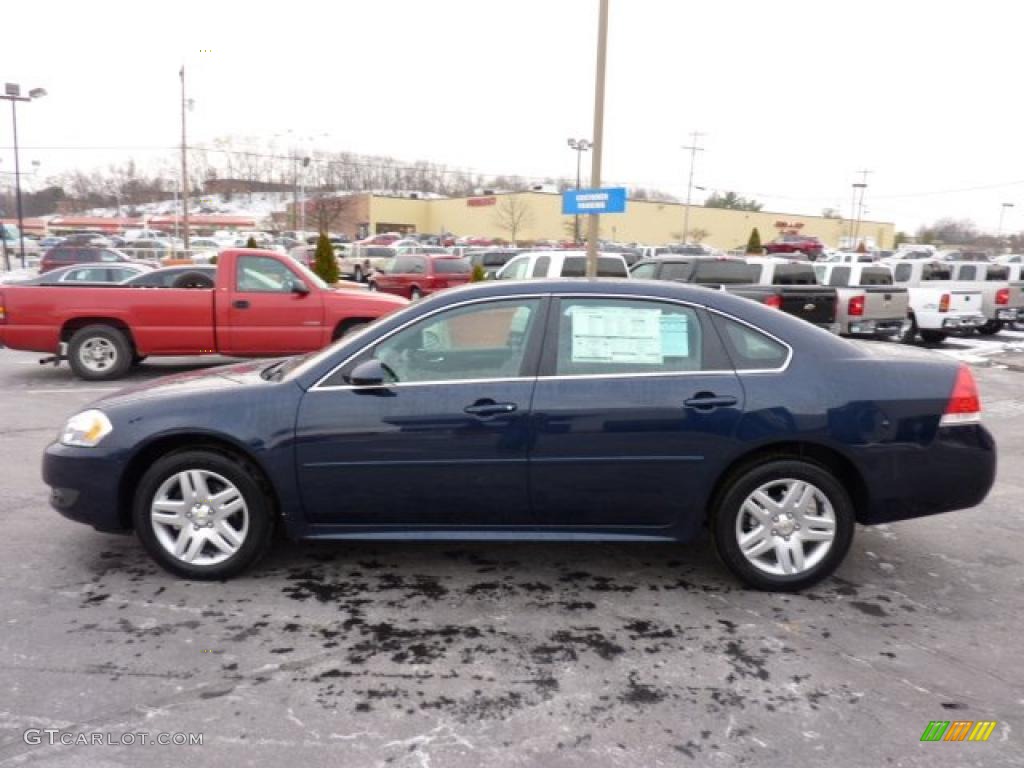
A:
[300,288]
[369,373]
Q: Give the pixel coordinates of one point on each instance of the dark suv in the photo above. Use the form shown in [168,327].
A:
[65,255]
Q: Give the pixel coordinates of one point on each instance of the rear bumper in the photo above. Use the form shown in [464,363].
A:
[84,486]
[955,472]
[873,328]
[962,322]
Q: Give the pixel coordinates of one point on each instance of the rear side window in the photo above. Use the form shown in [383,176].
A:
[622,336]
[876,276]
[968,272]
[902,273]
[451,266]
[749,348]
[678,270]
[794,274]
[725,272]
[644,271]
[541,266]
[997,273]
[936,272]
[516,269]
[607,266]
[840,276]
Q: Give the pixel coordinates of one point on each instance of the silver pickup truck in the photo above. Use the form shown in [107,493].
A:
[869,304]
[1002,294]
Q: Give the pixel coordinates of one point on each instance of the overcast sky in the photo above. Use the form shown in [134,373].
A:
[794,97]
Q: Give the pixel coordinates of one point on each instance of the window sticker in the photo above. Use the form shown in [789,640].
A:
[675,335]
[616,335]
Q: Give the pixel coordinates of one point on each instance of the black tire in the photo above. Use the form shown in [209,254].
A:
[933,337]
[107,338]
[415,294]
[730,507]
[909,336]
[247,481]
[357,275]
[991,328]
[372,286]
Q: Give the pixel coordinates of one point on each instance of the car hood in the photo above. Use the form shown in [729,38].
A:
[381,303]
[224,377]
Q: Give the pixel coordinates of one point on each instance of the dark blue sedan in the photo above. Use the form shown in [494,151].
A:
[625,411]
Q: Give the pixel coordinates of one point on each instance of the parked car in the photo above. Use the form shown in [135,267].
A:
[363,260]
[385,238]
[50,241]
[712,272]
[1002,300]
[416,275]
[561,264]
[66,255]
[263,304]
[490,259]
[99,273]
[808,245]
[936,308]
[658,411]
[187,276]
[868,303]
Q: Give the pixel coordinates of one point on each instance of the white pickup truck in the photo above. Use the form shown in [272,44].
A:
[868,303]
[937,306]
[1002,297]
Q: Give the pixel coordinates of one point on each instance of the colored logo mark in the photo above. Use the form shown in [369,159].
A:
[958,730]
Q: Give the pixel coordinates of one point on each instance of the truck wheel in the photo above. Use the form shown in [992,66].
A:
[990,328]
[909,335]
[933,337]
[415,294]
[357,274]
[783,525]
[99,353]
[203,515]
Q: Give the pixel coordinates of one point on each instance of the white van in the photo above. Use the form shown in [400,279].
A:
[561,264]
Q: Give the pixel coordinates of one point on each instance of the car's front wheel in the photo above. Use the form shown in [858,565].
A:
[991,328]
[783,525]
[202,514]
[933,337]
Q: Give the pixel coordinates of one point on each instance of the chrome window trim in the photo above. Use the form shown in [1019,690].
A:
[319,386]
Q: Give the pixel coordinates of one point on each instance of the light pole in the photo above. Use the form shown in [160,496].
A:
[1002,212]
[694,149]
[593,220]
[12,93]
[580,146]
[856,224]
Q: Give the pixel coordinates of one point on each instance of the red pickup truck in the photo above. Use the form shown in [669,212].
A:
[263,304]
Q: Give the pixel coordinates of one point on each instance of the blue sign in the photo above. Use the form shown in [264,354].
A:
[582,201]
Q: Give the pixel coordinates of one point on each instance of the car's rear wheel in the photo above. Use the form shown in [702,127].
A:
[990,328]
[99,353]
[203,515]
[933,337]
[372,285]
[783,525]
[415,294]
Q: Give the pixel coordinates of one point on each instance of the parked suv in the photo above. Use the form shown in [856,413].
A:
[66,255]
[414,275]
[786,244]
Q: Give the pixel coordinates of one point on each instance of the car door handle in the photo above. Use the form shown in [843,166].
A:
[489,408]
[240,304]
[709,400]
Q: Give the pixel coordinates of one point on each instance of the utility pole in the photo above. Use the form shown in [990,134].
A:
[598,145]
[862,185]
[184,163]
[694,149]
[1002,212]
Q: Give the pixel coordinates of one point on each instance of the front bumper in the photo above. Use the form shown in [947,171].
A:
[84,485]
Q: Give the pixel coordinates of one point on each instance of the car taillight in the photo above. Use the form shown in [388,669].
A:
[964,406]
[856,306]
[3,314]
[773,301]
[944,303]
[1003,296]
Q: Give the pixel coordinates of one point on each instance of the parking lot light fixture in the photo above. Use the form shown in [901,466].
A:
[12,93]
[579,146]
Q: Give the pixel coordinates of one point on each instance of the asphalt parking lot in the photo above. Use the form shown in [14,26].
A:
[464,654]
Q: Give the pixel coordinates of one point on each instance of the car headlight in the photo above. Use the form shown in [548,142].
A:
[86,429]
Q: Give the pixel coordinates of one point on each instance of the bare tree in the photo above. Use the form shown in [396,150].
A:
[512,214]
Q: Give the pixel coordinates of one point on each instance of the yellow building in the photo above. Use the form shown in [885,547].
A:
[538,216]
